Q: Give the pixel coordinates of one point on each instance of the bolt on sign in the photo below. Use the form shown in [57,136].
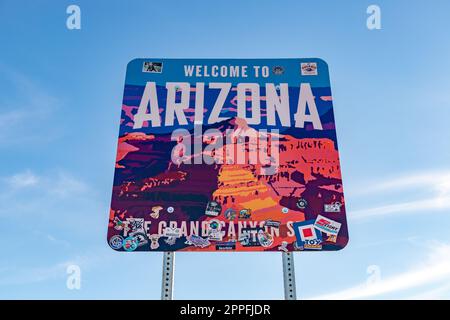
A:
[227,155]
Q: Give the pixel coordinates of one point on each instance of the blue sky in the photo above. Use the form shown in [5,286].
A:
[60,100]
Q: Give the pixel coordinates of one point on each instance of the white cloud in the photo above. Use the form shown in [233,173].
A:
[27,192]
[440,292]
[65,185]
[23,179]
[57,183]
[434,185]
[435,269]
[438,180]
[95,257]
[27,275]
[434,203]
[21,276]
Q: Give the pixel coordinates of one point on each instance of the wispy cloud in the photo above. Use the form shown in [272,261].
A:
[92,259]
[56,182]
[20,276]
[22,179]
[435,269]
[25,108]
[27,191]
[435,186]
[66,184]
[438,180]
[438,292]
[434,203]
[56,212]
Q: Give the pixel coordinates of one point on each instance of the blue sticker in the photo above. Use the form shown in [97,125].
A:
[308,237]
[116,242]
[230,214]
[249,237]
[130,243]
[245,214]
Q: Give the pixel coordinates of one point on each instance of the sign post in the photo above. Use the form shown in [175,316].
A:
[168,273]
[290,292]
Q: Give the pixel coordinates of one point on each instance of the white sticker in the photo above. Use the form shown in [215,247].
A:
[172,232]
[327,225]
[309,69]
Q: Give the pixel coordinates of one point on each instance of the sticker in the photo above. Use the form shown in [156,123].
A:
[155,212]
[249,237]
[331,238]
[313,244]
[170,241]
[136,224]
[245,214]
[172,232]
[309,69]
[333,207]
[140,237]
[278,70]
[214,224]
[227,245]
[197,241]
[283,246]
[216,235]
[272,223]
[213,209]
[214,230]
[154,243]
[308,237]
[230,214]
[302,203]
[265,238]
[326,225]
[116,242]
[152,67]
[130,243]
[297,247]
[119,224]
[170,209]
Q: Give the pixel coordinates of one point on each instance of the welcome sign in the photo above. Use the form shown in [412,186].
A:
[227,155]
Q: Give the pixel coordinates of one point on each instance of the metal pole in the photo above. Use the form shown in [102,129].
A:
[290,292]
[167,276]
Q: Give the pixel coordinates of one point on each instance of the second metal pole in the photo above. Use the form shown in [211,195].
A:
[290,292]
[168,273]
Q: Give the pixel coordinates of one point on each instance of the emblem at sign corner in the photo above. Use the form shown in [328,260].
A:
[227,155]
[116,242]
[152,67]
[309,68]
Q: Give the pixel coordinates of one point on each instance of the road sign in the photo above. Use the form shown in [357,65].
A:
[227,155]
